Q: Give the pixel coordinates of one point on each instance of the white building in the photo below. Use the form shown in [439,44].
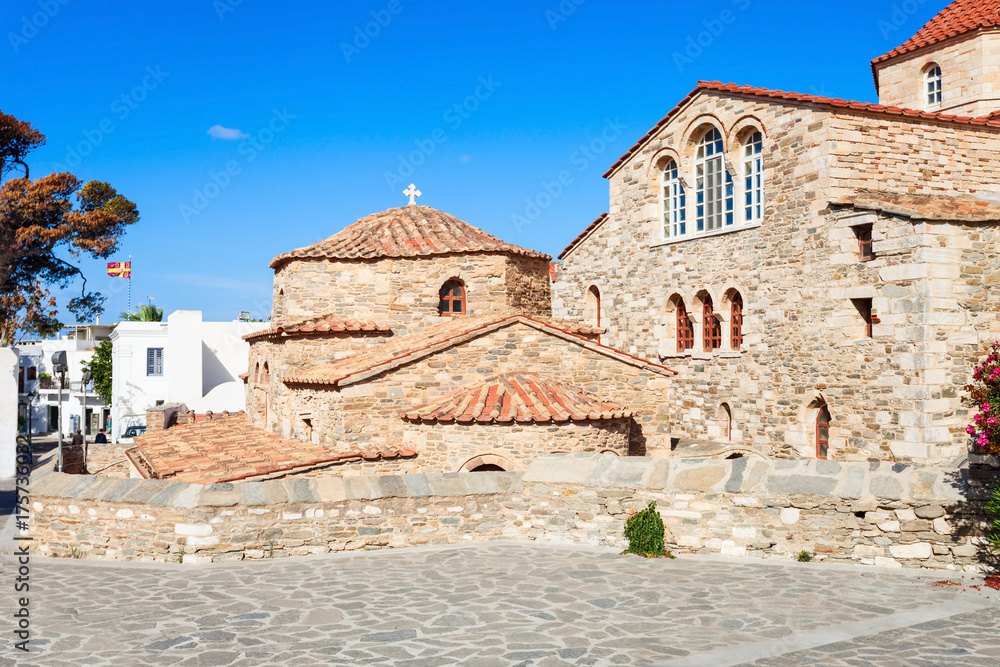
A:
[38,385]
[182,360]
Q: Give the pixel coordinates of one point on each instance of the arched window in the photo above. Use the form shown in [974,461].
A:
[594,306]
[736,321]
[932,85]
[726,413]
[822,432]
[713,184]
[265,376]
[753,178]
[256,373]
[279,307]
[711,328]
[685,330]
[674,203]
[452,299]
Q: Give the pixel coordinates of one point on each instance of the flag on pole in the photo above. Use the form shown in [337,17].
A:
[120,269]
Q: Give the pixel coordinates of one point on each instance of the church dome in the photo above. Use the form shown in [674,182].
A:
[407,231]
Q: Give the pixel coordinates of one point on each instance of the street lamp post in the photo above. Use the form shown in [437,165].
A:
[87,375]
[59,366]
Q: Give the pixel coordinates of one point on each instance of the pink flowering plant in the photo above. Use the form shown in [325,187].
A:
[983,396]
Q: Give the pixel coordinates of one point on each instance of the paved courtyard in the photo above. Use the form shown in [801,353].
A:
[500,604]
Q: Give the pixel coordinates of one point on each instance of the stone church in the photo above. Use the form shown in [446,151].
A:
[825,271]
[778,275]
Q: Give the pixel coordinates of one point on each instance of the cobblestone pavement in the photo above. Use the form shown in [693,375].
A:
[499,604]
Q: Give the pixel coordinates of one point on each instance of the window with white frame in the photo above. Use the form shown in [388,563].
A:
[713,184]
[753,178]
[674,203]
[154,361]
[932,85]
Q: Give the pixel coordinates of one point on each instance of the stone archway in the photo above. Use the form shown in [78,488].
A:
[488,463]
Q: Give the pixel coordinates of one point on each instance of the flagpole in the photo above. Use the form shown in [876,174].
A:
[130,284]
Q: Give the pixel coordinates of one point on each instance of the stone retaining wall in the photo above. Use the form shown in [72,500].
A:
[871,513]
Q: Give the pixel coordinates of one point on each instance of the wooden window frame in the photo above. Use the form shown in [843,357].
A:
[864,308]
[674,203]
[445,296]
[685,330]
[736,322]
[154,362]
[714,190]
[933,88]
[753,179]
[823,444]
[864,234]
[711,327]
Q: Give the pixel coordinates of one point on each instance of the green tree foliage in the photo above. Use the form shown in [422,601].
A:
[144,313]
[42,231]
[645,534]
[100,370]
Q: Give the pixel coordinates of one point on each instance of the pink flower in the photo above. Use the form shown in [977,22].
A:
[991,421]
[986,407]
[970,430]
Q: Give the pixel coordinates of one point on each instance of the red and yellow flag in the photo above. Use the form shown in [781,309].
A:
[120,269]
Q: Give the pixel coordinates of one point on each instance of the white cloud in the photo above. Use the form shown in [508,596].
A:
[227,133]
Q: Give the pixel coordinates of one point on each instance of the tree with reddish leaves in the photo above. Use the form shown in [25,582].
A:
[38,219]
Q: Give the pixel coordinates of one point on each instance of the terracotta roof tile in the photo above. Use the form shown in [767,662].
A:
[831,102]
[228,448]
[963,208]
[408,231]
[516,397]
[594,225]
[956,19]
[451,331]
[320,325]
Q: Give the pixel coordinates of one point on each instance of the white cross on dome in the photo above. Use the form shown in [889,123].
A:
[412,192]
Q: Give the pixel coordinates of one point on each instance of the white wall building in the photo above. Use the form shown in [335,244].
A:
[182,360]
[81,407]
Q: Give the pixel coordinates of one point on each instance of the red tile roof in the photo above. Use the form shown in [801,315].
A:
[958,18]
[831,102]
[594,225]
[963,208]
[320,325]
[408,231]
[450,332]
[228,448]
[516,397]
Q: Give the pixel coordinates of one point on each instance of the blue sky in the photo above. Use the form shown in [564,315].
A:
[317,124]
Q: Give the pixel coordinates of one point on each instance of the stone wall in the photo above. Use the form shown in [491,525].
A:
[404,293]
[970,76]
[878,514]
[799,275]
[367,413]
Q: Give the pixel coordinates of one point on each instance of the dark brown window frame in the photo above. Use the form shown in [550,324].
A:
[736,322]
[447,299]
[864,234]
[711,327]
[823,444]
[685,330]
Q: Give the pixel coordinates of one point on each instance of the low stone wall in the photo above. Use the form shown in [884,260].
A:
[871,513]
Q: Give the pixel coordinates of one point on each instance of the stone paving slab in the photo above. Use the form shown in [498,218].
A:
[499,604]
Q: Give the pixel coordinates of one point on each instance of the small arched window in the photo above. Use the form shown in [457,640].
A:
[932,85]
[711,328]
[823,432]
[674,203]
[452,301]
[713,184]
[736,321]
[256,373]
[265,375]
[726,413]
[685,330]
[594,306]
[753,178]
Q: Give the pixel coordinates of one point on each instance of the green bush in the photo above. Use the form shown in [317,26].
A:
[805,556]
[644,532]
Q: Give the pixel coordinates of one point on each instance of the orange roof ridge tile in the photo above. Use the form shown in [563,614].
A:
[407,231]
[452,331]
[331,323]
[520,397]
[956,208]
[800,97]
